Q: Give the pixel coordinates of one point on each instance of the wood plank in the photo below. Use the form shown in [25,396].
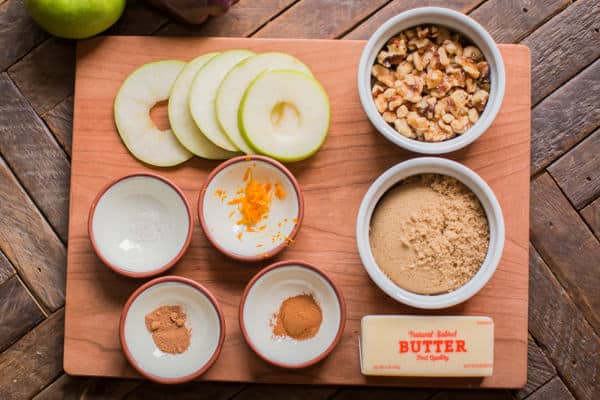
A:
[565,117]
[366,28]
[383,393]
[45,75]
[591,214]
[34,361]
[18,33]
[578,172]
[187,391]
[242,19]
[32,153]
[70,387]
[554,390]
[29,243]
[562,47]
[326,238]
[18,312]
[289,392]
[472,395]
[319,19]
[512,20]
[139,18]
[539,370]
[6,268]
[60,121]
[567,245]
[562,331]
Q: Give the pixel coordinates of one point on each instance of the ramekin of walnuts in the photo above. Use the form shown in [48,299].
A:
[431,80]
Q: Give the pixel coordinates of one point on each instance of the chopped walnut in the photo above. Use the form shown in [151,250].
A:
[430,83]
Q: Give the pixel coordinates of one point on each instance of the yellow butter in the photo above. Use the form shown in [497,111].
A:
[427,346]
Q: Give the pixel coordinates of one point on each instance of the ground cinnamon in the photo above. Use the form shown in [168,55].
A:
[298,317]
[167,325]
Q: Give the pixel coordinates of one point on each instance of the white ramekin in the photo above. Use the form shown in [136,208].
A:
[455,21]
[431,165]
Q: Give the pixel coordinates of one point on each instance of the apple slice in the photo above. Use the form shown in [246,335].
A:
[141,90]
[284,114]
[236,81]
[180,118]
[204,91]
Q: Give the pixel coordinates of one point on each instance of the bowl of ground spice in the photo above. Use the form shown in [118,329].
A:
[171,330]
[251,208]
[291,314]
[430,232]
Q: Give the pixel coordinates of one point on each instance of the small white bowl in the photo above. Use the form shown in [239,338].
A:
[455,21]
[442,166]
[140,225]
[204,319]
[219,219]
[261,300]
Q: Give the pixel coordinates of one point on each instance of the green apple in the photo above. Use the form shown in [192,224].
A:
[180,118]
[75,19]
[204,91]
[234,85]
[141,90]
[284,114]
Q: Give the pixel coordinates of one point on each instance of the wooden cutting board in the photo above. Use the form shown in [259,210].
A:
[334,182]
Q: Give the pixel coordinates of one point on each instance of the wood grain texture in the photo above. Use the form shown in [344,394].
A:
[30,243]
[365,29]
[383,393]
[578,172]
[139,18]
[73,388]
[60,121]
[524,15]
[289,392]
[472,395]
[18,33]
[562,331]
[567,245]
[565,117]
[319,18]
[45,75]
[591,214]
[539,369]
[501,156]
[18,312]
[554,390]
[6,268]
[242,19]
[186,391]
[34,361]
[561,47]
[34,156]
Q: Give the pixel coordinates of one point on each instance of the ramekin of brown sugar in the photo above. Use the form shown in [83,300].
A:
[442,240]
[431,80]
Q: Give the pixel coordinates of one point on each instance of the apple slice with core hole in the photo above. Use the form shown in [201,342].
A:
[180,118]
[233,86]
[204,91]
[142,89]
[284,114]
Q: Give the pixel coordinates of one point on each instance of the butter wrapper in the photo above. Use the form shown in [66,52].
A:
[441,346]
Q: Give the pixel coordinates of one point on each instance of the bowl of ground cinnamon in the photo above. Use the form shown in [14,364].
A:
[250,208]
[291,314]
[430,232]
[171,330]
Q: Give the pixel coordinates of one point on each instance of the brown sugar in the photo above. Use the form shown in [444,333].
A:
[429,234]
[167,325]
[298,317]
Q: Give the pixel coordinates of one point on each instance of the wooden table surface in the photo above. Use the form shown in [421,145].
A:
[36,88]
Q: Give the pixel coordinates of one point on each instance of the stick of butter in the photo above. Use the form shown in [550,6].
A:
[399,345]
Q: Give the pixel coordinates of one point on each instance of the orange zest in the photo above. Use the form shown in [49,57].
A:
[254,202]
